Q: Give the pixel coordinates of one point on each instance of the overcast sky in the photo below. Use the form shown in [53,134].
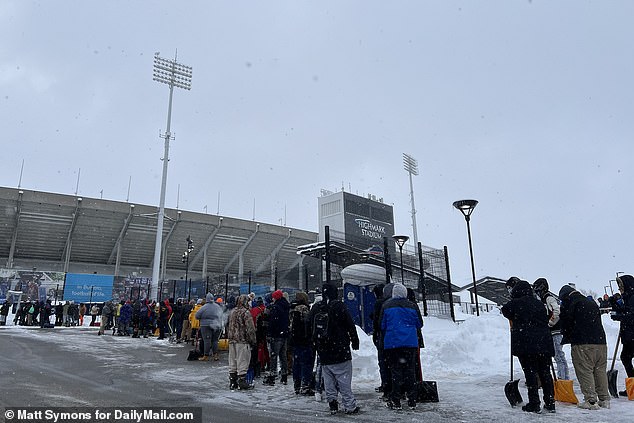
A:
[524,106]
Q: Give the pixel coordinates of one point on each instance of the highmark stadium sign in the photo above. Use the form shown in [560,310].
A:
[370,230]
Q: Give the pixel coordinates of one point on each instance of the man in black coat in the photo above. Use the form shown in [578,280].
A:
[334,350]
[623,311]
[582,328]
[384,370]
[532,344]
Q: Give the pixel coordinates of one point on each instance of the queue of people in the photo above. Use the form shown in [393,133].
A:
[539,329]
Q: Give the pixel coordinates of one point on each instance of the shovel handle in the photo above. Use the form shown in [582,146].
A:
[618,341]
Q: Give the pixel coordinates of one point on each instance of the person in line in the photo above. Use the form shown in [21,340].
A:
[384,371]
[541,289]
[177,319]
[106,312]
[259,354]
[241,336]
[532,344]
[211,323]
[623,312]
[332,339]
[125,319]
[582,328]
[186,331]
[400,323]
[300,341]
[94,312]
[82,313]
[277,335]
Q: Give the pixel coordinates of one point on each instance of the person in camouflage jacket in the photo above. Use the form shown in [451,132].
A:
[241,336]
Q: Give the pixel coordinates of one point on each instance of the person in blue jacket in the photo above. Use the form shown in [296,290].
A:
[400,324]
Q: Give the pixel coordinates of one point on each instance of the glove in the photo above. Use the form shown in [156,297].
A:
[355,344]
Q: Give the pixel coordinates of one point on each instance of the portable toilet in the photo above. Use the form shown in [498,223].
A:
[358,282]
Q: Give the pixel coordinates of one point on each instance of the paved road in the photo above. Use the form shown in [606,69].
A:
[75,367]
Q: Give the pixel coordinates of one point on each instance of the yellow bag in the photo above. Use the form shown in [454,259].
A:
[223,344]
[629,387]
[564,391]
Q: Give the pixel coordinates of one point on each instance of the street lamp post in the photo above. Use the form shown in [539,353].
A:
[400,241]
[190,248]
[466,208]
[174,75]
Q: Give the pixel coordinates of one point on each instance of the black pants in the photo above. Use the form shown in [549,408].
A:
[535,366]
[626,358]
[402,362]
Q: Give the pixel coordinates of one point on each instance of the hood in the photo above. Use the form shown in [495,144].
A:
[242,300]
[378,290]
[399,291]
[209,297]
[329,291]
[565,292]
[627,281]
[301,297]
[522,289]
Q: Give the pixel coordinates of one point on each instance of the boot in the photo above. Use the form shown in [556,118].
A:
[243,384]
[297,384]
[334,406]
[283,379]
[233,381]
[203,358]
[269,380]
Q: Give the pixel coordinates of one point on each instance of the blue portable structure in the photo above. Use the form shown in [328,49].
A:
[358,282]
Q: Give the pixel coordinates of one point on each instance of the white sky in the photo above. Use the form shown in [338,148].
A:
[524,106]
[469,362]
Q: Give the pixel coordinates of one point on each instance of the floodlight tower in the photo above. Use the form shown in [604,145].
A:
[174,75]
[411,166]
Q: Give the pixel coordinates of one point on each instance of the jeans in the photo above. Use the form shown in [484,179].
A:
[277,347]
[560,358]
[302,365]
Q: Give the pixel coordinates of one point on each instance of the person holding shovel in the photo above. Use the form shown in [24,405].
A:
[532,344]
[623,311]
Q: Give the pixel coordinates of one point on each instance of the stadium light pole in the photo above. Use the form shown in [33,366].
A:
[410,164]
[466,208]
[400,241]
[174,75]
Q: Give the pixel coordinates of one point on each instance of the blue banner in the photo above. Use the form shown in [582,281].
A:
[82,288]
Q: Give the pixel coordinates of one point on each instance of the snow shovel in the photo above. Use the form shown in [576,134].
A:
[427,389]
[511,390]
[612,374]
[564,392]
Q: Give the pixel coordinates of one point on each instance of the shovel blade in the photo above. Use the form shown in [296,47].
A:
[612,375]
[512,392]
[427,391]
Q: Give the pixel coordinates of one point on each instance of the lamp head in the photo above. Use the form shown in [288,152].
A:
[400,240]
[465,206]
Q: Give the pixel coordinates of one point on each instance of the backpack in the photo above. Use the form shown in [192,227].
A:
[320,325]
[298,328]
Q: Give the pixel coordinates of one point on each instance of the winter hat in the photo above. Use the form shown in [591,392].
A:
[259,301]
[219,300]
[277,295]
[199,301]
[209,297]
[625,282]
[522,289]
[565,292]
[399,291]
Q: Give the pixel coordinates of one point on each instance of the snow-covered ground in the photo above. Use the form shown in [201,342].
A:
[469,361]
